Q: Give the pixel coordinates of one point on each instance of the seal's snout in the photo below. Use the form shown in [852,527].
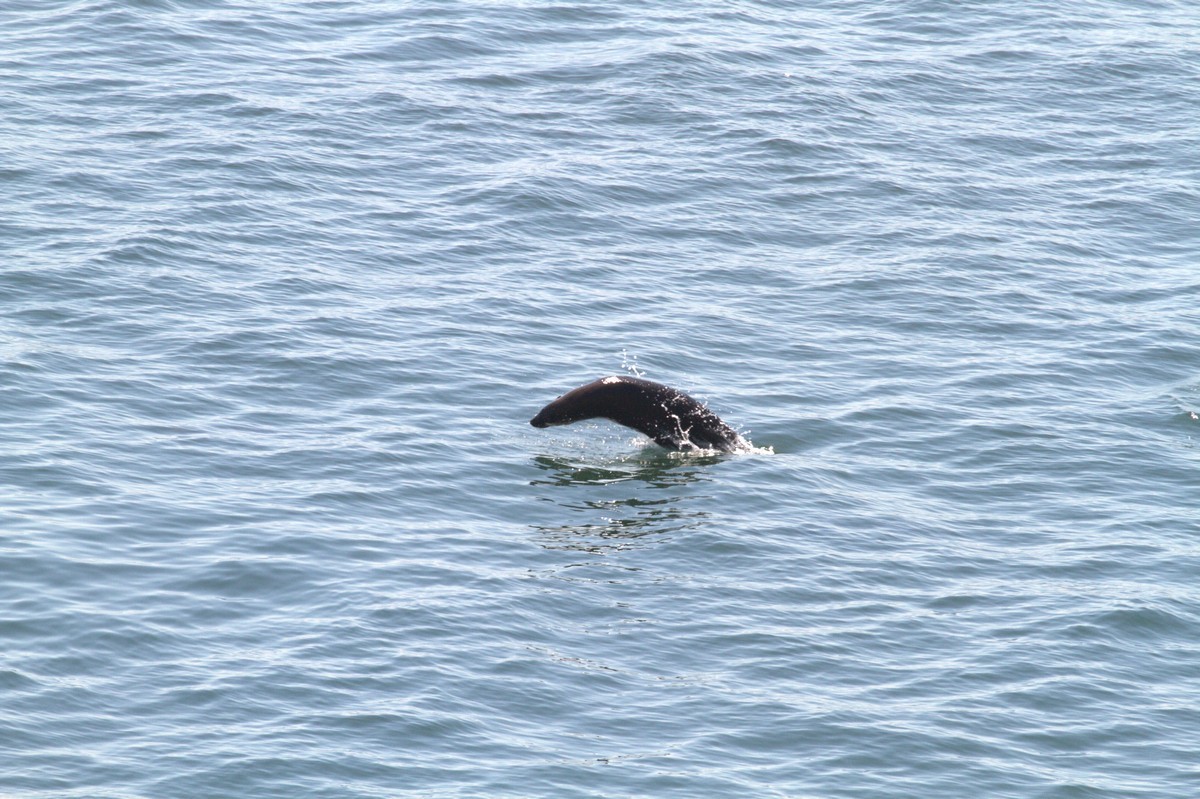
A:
[538,421]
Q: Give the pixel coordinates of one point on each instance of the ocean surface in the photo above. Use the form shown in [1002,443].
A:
[282,283]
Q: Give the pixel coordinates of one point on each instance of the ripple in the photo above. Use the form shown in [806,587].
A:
[281,292]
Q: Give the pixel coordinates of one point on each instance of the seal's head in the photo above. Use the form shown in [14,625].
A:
[585,402]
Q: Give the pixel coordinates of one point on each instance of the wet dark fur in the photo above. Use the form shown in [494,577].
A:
[668,416]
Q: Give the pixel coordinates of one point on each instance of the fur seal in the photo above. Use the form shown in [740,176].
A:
[673,419]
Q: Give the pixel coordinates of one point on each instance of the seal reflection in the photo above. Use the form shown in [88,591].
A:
[617,504]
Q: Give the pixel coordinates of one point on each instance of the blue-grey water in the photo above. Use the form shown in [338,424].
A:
[282,284]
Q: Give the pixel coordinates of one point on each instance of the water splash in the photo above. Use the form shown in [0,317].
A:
[629,364]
